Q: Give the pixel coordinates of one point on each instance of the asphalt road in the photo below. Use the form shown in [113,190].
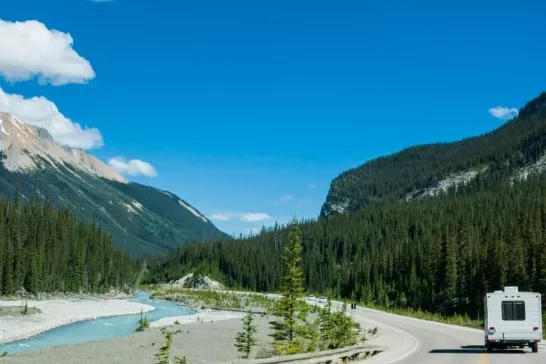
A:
[410,340]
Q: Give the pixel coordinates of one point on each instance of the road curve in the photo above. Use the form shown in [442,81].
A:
[410,340]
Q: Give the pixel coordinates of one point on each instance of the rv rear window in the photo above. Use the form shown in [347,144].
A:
[513,311]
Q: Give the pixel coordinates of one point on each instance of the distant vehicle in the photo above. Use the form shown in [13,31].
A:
[512,319]
[322,300]
[311,298]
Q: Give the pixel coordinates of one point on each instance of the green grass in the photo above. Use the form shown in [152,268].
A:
[458,320]
[213,299]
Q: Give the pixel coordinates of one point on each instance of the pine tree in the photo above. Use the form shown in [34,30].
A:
[163,356]
[143,322]
[311,334]
[245,340]
[345,334]
[290,307]
[327,331]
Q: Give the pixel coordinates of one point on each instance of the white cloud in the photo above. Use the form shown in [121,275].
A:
[132,167]
[30,49]
[505,113]
[254,216]
[243,216]
[311,186]
[41,112]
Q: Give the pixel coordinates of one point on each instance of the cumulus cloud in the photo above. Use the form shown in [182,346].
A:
[505,113]
[243,216]
[133,167]
[30,49]
[39,111]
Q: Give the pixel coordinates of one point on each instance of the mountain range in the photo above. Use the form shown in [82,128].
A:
[513,151]
[141,219]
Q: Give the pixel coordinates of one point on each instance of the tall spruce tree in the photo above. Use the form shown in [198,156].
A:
[290,307]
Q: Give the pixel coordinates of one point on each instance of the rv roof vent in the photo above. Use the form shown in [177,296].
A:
[497,292]
[511,289]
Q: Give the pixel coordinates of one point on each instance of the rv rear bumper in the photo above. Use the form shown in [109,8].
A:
[513,341]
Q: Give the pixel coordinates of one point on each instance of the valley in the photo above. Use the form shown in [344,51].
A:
[272,182]
[430,251]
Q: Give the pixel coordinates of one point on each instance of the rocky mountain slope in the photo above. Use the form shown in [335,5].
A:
[141,219]
[514,150]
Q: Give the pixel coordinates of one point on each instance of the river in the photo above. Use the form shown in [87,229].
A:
[99,329]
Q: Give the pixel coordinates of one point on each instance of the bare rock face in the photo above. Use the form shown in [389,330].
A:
[26,147]
[437,187]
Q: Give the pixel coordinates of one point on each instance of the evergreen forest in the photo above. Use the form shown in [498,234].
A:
[437,255]
[47,250]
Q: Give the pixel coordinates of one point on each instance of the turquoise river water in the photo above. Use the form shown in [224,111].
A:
[99,329]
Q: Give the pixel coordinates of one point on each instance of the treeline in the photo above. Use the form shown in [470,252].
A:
[45,250]
[440,255]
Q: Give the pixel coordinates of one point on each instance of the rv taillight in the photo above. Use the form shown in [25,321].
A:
[535,328]
[492,328]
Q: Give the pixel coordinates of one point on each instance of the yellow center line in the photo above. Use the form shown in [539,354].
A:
[484,358]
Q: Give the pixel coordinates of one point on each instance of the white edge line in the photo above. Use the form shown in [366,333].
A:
[396,330]
[407,354]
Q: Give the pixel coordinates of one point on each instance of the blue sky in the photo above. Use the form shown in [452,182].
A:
[253,107]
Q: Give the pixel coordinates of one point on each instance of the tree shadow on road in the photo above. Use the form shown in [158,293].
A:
[475,349]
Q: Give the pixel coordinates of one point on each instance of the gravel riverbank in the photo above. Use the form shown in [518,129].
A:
[200,342]
[55,313]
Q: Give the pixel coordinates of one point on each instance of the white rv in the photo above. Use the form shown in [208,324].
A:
[512,318]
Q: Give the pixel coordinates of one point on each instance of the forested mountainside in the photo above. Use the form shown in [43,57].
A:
[513,149]
[141,219]
[45,250]
[433,254]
